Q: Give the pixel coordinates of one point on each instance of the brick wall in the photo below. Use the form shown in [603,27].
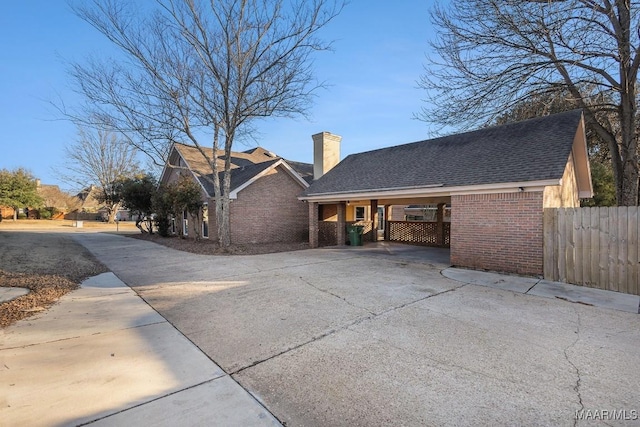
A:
[501,232]
[268,211]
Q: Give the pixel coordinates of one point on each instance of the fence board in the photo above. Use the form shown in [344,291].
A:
[549,228]
[596,247]
[562,245]
[571,246]
[578,246]
[603,263]
[633,271]
[613,249]
[623,214]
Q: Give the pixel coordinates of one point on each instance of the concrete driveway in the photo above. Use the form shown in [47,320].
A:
[377,337]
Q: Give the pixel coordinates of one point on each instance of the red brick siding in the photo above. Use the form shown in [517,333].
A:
[328,212]
[501,232]
[268,211]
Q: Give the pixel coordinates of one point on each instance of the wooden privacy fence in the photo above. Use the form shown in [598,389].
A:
[595,247]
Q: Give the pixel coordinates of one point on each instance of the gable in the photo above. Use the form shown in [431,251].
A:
[246,167]
[275,183]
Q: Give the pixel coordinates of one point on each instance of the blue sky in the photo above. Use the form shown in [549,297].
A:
[379,52]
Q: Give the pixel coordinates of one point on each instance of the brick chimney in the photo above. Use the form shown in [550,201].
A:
[326,152]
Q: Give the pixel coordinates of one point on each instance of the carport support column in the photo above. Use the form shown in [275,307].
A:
[313,225]
[440,225]
[341,231]
[386,222]
[374,220]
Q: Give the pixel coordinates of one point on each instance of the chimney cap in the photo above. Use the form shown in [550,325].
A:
[325,134]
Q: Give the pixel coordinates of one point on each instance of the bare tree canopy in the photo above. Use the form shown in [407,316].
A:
[493,54]
[201,72]
[101,159]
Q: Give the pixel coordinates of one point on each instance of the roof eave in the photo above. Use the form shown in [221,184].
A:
[432,191]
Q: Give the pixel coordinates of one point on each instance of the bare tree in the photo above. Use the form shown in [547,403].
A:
[494,54]
[100,158]
[201,72]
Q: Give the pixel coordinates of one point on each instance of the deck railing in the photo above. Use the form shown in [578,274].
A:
[418,233]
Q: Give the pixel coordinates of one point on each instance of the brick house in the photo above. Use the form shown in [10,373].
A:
[264,205]
[496,181]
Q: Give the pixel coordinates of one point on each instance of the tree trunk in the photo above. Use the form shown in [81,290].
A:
[629,193]
[225,229]
[112,211]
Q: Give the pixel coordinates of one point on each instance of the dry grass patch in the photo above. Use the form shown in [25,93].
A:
[48,264]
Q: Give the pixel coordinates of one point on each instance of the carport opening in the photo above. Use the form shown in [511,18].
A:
[418,222]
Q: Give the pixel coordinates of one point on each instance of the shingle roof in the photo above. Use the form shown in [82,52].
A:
[244,165]
[531,150]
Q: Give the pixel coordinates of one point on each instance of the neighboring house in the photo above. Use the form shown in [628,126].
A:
[52,197]
[496,181]
[264,205]
[6,212]
[90,209]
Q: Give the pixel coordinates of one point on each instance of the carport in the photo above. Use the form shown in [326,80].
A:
[497,182]
[382,220]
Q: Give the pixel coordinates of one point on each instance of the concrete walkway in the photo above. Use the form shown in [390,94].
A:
[11,293]
[104,357]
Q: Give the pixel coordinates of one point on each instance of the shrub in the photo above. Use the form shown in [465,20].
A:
[163,223]
[45,214]
[22,216]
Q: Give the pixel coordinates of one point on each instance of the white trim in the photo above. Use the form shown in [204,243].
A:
[234,194]
[581,165]
[432,191]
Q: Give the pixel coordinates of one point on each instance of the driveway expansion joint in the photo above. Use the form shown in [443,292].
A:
[420,299]
[326,291]
[371,316]
[151,400]
[295,347]
[533,286]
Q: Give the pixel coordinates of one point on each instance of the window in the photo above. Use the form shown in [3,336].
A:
[205,221]
[359,213]
[185,223]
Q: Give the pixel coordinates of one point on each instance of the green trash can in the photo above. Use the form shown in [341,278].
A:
[355,234]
